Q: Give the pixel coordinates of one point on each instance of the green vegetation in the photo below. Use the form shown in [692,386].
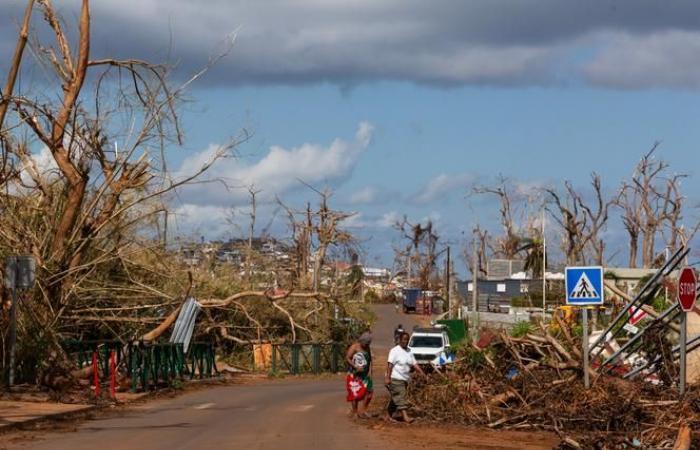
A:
[521,328]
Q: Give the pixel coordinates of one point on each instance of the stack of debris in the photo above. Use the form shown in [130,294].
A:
[535,381]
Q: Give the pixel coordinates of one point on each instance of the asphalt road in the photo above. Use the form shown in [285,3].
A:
[288,414]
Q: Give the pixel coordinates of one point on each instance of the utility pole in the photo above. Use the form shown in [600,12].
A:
[447,285]
[475,298]
[544,268]
[457,300]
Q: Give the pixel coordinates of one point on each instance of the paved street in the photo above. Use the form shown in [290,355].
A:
[288,414]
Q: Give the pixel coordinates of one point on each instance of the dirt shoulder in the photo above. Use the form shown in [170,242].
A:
[422,434]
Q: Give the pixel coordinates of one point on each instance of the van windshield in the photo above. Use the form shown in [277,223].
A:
[426,341]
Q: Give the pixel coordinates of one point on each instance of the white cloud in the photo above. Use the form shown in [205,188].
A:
[355,221]
[389,219]
[42,164]
[364,195]
[209,220]
[433,217]
[629,61]
[444,186]
[279,171]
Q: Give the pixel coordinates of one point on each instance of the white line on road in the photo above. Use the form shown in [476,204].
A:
[204,406]
[300,408]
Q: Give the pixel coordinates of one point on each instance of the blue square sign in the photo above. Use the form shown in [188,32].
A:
[584,285]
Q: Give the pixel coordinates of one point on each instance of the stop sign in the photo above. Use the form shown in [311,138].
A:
[687,286]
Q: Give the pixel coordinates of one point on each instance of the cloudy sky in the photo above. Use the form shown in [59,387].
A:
[400,105]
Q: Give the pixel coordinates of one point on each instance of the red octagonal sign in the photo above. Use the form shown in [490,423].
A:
[687,288]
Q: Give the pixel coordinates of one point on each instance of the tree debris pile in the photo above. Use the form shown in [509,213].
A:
[535,381]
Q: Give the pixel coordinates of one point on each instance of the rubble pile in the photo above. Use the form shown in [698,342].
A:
[535,382]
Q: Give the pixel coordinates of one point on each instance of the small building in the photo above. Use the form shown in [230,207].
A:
[494,295]
[501,294]
[376,273]
[627,278]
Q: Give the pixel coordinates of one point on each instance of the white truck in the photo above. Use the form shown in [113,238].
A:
[431,346]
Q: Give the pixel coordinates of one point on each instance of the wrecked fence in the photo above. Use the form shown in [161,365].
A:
[307,358]
[81,351]
[150,365]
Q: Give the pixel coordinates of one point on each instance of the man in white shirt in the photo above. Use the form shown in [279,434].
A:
[398,374]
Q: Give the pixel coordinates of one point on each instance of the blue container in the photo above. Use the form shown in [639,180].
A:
[410,298]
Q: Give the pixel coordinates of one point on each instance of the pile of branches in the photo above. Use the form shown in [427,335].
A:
[536,382]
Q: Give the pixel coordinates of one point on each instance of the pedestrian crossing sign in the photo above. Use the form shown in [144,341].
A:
[584,285]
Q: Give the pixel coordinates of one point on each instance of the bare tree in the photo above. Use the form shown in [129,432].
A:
[420,252]
[327,232]
[300,226]
[252,192]
[581,221]
[508,243]
[651,204]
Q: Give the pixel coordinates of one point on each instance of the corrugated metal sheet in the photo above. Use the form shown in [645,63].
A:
[184,326]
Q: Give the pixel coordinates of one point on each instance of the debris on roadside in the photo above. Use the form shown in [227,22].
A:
[534,382]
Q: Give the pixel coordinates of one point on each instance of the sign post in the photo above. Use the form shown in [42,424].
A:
[20,272]
[687,288]
[584,287]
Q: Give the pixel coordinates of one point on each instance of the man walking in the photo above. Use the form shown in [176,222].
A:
[397,332]
[398,374]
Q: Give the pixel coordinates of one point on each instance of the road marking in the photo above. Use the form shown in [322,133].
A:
[204,406]
[301,408]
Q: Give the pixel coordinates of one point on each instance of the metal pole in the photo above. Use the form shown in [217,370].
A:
[447,285]
[666,252]
[586,381]
[13,339]
[475,298]
[458,299]
[684,330]
[544,269]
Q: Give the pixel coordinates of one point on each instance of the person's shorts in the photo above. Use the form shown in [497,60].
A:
[399,397]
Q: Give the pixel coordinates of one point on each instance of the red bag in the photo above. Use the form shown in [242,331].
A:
[356,388]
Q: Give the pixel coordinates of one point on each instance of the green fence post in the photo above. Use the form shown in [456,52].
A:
[295,359]
[316,352]
[212,360]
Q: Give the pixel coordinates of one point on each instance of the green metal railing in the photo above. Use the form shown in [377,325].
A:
[153,364]
[307,358]
[202,359]
[82,352]
[149,365]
